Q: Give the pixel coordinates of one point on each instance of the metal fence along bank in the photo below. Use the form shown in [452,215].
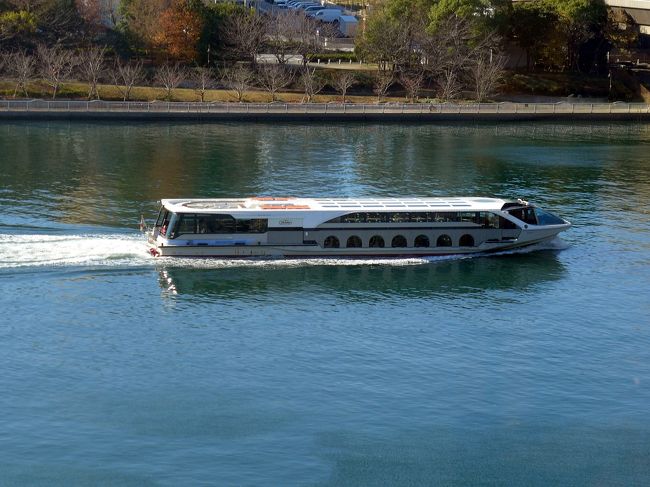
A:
[63,109]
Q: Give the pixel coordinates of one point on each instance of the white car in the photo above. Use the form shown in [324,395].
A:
[326,15]
[301,5]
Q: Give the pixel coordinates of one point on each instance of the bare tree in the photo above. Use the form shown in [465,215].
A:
[4,55]
[204,80]
[91,66]
[449,86]
[343,81]
[55,65]
[170,76]
[412,83]
[487,73]
[274,77]
[447,55]
[126,75]
[383,82]
[280,28]
[239,79]
[21,67]
[312,83]
[246,31]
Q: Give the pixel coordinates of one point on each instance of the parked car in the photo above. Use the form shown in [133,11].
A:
[326,15]
[300,4]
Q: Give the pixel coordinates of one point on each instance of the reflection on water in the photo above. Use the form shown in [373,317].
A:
[108,174]
[397,279]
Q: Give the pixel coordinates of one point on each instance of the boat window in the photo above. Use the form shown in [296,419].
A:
[469,217]
[376,241]
[163,220]
[256,225]
[476,217]
[466,241]
[354,241]
[216,223]
[443,216]
[186,224]
[163,215]
[354,218]
[545,218]
[331,242]
[421,241]
[398,241]
[506,224]
[488,220]
[376,217]
[526,215]
[443,241]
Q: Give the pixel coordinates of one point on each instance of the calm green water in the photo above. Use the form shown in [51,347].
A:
[525,368]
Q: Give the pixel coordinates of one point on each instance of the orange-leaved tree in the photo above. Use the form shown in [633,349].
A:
[181,26]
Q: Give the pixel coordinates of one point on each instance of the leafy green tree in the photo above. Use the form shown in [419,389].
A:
[560,34]
[16,24]
[213,40]
[393,33]
[580,21]
[532,28]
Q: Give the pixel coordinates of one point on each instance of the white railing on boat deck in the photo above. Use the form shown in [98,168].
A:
[137,107]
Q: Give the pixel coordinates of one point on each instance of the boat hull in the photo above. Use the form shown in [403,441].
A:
[314,251]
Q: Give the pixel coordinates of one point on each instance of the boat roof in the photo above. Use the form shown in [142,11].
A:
[264,203]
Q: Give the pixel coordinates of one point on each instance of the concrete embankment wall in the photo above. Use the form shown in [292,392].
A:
[423,113]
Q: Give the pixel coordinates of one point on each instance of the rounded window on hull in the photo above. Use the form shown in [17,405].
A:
[354,241]
[421,241]
[466,241]
[443,241]
[331,242]
[376,241]
[398,241]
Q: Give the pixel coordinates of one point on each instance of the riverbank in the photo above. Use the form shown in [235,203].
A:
[422,112]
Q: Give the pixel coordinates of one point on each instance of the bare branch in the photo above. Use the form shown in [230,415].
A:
[487,73]
[281,26]
[449,87]
[21,67]
[238,79]
[204,80]
[246,31]
[412,83]
[343,82]
[91,66]
[126,75]
[274,77]
[383,82]
[170,76]
[312,83]
[55,65]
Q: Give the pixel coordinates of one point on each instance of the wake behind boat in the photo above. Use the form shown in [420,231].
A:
[333,227]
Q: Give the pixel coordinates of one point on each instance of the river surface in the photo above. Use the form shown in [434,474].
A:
[527,368]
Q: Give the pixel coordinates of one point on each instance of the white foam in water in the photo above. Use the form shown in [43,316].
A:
[72,250]
[131,250]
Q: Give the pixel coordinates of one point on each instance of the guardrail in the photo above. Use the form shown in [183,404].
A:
[159,107]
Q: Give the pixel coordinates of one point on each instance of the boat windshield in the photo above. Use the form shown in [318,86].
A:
[163,221]
[545,218]
[535,216]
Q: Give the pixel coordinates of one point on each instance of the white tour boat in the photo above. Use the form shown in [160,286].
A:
[333,227]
